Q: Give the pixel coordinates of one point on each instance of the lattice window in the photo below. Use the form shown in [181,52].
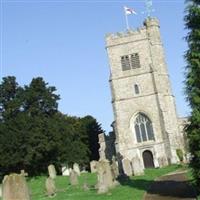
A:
[143,128]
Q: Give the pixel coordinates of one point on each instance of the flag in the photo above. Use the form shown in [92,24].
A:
[129,11]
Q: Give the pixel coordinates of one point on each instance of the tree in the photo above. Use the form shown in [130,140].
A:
[192,22]
[10,98]
[92,129]
[34,134]
[26,141]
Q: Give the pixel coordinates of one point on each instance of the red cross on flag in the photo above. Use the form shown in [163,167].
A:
[129,11]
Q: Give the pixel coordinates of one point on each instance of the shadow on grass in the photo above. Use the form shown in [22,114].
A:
[171,188]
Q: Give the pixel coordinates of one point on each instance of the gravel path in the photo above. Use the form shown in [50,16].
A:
[171,187]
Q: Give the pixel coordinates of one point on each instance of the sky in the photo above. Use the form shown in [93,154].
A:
[64,42]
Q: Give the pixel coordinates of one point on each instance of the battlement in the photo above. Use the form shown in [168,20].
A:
[112,36]
[133,34]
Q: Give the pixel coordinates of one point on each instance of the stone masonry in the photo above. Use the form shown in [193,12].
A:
[154,100]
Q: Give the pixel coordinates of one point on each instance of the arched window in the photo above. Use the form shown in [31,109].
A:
[143,128]
[136,89]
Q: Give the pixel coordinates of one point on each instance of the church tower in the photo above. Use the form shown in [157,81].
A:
[146,125]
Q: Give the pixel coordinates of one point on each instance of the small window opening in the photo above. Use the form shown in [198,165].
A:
[136,88]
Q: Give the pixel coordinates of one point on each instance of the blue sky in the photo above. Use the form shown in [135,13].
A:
[64,42]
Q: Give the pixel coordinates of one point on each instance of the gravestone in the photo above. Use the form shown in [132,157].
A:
[23,173]
[0,191]
[102,146]
[76,168]
[105,178]
[93,166]
[162,161]
[127,167]
[65,171]
[52,171]
[73,177]
[85,187]
[114,168]
[137,166]
[50,187]
[15,188]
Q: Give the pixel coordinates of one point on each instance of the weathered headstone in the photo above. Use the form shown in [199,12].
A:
[86,187]
[73,177]
[52,171]
[162,161]
[0,191]
[23,173]
[127,167]
[105,178]
[137,166]
[15,188]
[65,171]
[93,166]
[50,187]
[102,146]
[114,168]
[76,168]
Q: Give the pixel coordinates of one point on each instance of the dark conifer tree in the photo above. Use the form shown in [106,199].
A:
[192,22]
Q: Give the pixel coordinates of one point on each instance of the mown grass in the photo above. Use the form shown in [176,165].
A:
[134,188]
[130,189]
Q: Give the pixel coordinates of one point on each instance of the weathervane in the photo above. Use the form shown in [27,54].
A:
[149,7]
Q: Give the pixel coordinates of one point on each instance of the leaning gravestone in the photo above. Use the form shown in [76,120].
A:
[15,188]
[105,178]
[137,166]
[127,167]
[114,168]
[52,171]
[50,187]
[76,169]
[93,166]
[73,176]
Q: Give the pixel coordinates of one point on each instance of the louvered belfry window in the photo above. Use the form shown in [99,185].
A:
[130,61]
[135,61]
[125,63]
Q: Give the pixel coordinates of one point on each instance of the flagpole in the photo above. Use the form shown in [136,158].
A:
[127,25]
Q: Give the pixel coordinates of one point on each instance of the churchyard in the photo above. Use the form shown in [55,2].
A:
[133,187]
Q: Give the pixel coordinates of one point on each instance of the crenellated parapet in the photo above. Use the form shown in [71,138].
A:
[131,35]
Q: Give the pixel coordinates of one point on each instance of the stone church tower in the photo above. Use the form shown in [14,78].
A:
[146,124]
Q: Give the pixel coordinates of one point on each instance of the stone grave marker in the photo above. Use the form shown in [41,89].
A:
[23,173]
[73,177]
[114,168]
[137,166]
[65,171]
[127,167]
[76,168]
[0,191]
[15,188]
[50,187]
[102,146]
[52,171]
[105,178]
[85,187]
[162,161]
[93,166]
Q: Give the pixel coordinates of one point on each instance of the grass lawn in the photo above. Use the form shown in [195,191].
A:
[134,188]
[130,189]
